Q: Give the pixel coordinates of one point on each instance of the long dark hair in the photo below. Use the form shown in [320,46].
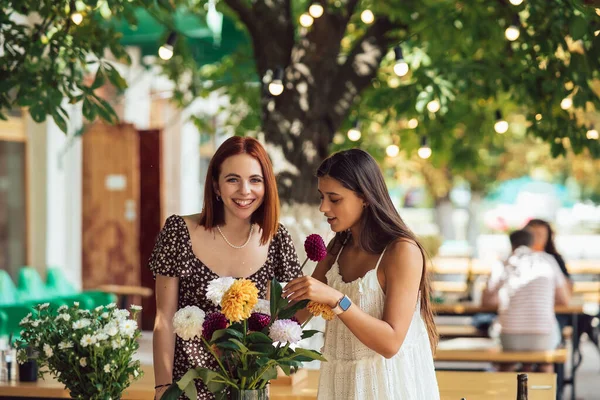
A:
[549,247]
[380,223]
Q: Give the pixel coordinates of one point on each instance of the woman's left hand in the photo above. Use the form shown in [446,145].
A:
[309,288]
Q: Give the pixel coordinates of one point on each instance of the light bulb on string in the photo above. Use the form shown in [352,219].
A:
[413,123]
[77,17]
[367,17]
[501,126]
[592,133]
[354,133]
[516,2]
[433,106]
[306,20]
[165,51]
[566,103]
[315,10]
[276,85]
[401,67]
[513,32]
[392,150]
[424,151]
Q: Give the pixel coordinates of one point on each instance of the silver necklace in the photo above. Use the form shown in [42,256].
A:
[232,245]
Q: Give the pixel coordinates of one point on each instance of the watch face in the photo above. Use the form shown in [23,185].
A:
[345,303]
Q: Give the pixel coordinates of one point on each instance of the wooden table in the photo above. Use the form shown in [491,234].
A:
[125,291]
[453,386]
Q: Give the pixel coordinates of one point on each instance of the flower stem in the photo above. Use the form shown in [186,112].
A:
[209,348]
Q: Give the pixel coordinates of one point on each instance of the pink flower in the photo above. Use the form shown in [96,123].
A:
[213,323]
[257,322]
[315,247]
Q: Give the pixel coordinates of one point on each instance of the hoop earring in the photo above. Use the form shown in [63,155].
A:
[218,198]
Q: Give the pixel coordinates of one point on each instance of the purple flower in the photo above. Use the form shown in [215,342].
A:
[315,247]
[257,322]
[212,323]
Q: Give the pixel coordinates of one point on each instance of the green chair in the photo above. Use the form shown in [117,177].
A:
[3,325]
[30,285]
[57,283]
[14,314]
[8,291]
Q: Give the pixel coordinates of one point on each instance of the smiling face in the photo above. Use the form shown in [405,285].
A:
[241,186]
[342,207]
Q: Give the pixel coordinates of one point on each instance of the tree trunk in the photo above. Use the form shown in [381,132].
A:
[444,210]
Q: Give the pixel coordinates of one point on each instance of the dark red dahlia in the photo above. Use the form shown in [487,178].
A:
[213,322]
[257,322]
[315,247]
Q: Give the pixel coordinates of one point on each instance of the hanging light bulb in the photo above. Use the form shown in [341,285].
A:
[501,126]
[306,20]
[392,150]
[401,67]
[413,123]
[512,33]
[538,117]
[77,17]
[166,50]
[516,2]
[566,103]
[354,132]
[315,10]
[433,106]
[592,133]
[367,16]
[276,85]
[424,151]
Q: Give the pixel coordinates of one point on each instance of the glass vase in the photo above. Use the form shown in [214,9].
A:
[257,394]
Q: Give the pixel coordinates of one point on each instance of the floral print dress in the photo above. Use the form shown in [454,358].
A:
[173,256]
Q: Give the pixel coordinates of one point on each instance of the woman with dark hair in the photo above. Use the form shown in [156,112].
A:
[236,235]
[374,278]
[543,240]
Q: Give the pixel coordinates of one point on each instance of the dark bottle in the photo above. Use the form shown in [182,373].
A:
[522,387]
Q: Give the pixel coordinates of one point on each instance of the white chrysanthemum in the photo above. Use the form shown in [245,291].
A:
[117,343]
[263,306]
[26,320]
[65,317]
[87,340]
[187,322]
[286,331]
[111,329]
[136,373]
[43,306]
[99,308]
[83,362]
[35,324]
[128,327]
[65,345]
[62,308]
[82,323]
[76,303]
[48,350]
[217,288]
[104,315]
[136,307]
[84,312]
[111,305]
[101,336]
[121,314]
[107,368]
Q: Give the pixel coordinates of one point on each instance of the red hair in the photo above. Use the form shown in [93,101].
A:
[267,215]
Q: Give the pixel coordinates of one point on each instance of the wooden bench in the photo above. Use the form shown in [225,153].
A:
[444,266]
[457,331]
[579,288]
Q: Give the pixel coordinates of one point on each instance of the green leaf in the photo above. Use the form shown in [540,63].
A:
[60,121]
[309,333]
[269,374]
[314,355]
[235,333]
[37,113]
[99,79]
[275,298]
[285,368]
[259,337]
[241,345]
[89,109]
[578,27]
[115,78]
[228,345]
[289,312]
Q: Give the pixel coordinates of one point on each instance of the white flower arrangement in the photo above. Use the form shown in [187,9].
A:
[187,322]
[90,352]
[217,288]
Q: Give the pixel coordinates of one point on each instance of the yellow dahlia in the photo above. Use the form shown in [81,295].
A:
[239,300]
[322,310]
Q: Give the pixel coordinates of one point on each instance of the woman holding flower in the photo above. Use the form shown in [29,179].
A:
[237,235]
[380,344]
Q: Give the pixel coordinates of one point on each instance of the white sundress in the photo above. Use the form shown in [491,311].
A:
[355,372]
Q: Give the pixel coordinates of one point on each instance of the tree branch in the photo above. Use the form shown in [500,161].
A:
[244,13]
[359,68]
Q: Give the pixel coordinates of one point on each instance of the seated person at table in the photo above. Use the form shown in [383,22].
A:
[525,291]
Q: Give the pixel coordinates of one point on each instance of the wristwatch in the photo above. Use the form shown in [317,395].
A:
[342,305]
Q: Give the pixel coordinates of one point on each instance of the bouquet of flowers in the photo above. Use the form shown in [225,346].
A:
[90,352]
[249,338]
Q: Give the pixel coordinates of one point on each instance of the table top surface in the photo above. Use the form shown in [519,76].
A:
[471,308]
[453,386]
